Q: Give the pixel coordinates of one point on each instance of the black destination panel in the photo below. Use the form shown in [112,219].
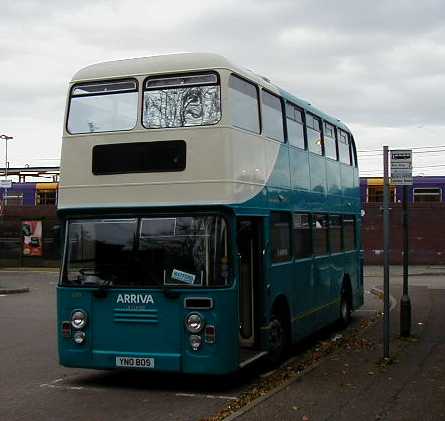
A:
[140,157]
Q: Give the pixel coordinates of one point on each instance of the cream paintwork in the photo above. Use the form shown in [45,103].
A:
[224,165]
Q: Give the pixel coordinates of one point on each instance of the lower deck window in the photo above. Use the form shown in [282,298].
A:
[184,251]
[302,235]
[320,229]
[280,237]
[335,233]
[348,233]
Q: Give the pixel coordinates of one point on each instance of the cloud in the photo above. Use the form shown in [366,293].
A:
[379,66]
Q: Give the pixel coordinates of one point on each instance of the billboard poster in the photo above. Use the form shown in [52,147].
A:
[32,238]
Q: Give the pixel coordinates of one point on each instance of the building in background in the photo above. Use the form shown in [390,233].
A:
[36,201]
[29,227]
[426,227]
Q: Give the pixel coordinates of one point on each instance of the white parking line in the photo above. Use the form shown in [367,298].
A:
[27,271]
[198,395]
[54,385]
[366,311]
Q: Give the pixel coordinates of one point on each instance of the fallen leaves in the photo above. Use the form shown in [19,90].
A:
[351,340]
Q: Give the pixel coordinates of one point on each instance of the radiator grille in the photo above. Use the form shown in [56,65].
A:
[124,315]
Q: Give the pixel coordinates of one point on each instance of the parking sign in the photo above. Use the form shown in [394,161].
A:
[402,167]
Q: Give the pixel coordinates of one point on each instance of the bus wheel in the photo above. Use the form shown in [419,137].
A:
[345,309]
[278,339]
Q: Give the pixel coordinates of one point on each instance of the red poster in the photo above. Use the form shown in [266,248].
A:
[32,238]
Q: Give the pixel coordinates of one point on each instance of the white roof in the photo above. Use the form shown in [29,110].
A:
[156,64]
[182,62]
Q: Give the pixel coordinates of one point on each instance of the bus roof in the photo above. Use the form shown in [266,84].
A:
[174,63]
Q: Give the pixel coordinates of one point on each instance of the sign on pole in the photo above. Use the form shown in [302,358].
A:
[402,167]
[5,184]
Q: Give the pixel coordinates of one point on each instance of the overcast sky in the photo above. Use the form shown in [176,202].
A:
[379,66]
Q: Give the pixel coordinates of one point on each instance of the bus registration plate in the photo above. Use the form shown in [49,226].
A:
[132,362]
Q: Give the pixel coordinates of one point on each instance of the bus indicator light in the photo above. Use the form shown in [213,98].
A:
[66,329]
[209,334]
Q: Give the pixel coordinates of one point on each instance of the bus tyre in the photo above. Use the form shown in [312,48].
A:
[345,310]
[278,338]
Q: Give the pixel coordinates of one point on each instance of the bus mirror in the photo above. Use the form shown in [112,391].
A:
[266,248]
[57,237]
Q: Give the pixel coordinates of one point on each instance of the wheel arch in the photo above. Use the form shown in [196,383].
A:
[346,288]
[281,308]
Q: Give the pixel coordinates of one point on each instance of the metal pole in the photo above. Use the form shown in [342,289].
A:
[386,253]
[5,195]
[6,158]
[405,302]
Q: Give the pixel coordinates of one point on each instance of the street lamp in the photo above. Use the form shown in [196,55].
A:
[6,138]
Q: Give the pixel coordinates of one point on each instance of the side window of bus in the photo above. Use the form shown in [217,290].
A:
[335,234]
[280,237]
[272,116]
[349,232]
[330,141]
[302,235]
[320,230]
[244,104]
[343,147]
[314,142]
[295,126]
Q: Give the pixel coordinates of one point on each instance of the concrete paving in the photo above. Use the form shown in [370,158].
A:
[356,384]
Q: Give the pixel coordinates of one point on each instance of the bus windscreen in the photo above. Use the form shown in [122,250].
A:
[179,251]
[191,100]
[103,107]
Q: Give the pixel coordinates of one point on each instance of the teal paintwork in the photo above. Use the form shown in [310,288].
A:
[311,286]
[301,181]
[161,336]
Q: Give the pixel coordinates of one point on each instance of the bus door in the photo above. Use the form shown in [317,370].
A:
[250,264]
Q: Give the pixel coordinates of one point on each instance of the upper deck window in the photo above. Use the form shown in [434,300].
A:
[295,126]
[330,146]
[244,104]
[343,147]
[272,117]
[313,126]
[182,101]
[103,107]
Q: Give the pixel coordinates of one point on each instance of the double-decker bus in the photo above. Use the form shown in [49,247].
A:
[210,218]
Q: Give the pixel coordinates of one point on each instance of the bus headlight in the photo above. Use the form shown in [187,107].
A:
[195,342]
[194,323]
[78,319]
[79,337]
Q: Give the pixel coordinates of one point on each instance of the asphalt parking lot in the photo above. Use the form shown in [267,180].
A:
[34,387]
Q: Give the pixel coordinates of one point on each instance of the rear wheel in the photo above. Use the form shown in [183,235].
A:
[345,309]
[278,338]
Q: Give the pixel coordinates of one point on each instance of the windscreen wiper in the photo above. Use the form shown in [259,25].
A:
[91,277]
[166,290]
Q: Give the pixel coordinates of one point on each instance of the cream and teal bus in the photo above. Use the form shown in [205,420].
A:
[210,218]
